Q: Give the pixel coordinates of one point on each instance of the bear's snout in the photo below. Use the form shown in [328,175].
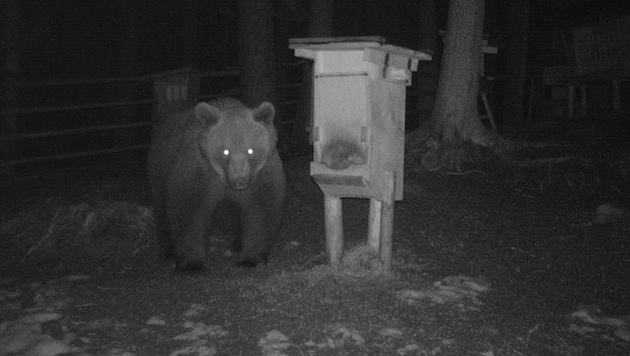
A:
[239,183]
[239,172]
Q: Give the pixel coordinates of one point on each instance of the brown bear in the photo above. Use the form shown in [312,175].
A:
[216,165]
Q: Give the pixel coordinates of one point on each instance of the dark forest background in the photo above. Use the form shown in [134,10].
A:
[69,39]
[76,39]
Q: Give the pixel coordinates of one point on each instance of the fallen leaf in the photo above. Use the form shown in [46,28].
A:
[76,277]
[201,330]
[391,332]
[195,311]
[273,341]
[407,349]
[582,329]
[198,350]
[156,320]
[623,334]
[348,334]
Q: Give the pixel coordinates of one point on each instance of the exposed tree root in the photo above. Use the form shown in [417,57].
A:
[427,153]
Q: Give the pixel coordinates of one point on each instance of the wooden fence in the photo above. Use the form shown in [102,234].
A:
[66,119]
[62,120]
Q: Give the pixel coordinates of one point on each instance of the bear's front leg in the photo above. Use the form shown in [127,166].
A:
[190,223]
[255,243]
[165,243]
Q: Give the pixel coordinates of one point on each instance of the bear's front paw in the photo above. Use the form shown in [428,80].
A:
[190,266]
[251,262]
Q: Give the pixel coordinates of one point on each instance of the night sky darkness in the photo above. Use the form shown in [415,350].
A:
[71,39]
[78,39]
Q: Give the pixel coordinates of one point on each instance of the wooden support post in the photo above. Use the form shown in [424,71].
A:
[530,101]
[570,100]
[374,225]
[486,103]
[334,230]
[387,225]
[583,100]
[616,98]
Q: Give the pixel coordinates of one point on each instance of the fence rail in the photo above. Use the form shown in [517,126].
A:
[95,126]
[20,139]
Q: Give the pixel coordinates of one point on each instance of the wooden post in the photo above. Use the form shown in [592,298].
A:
[616,99]
[334,229]
[486,103]
[387,226]
[530,102]
[570,100]
[10,89]
[583,100]
[374,225]
[516,60]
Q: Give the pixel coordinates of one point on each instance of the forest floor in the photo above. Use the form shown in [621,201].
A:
[499,260]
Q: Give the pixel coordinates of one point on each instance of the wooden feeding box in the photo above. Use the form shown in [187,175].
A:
[358,130]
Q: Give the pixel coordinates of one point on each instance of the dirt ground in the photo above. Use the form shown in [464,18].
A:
[498,260]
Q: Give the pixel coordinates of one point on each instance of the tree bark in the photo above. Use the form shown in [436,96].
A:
[129,37]
[321,18]
[516,63]
[428,26]
[12,20]
[128,58]
[427,71]
[190,34]
[320,25]
[455,117]
[256,55]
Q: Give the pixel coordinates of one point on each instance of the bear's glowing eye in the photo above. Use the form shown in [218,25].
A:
[226,152]
[250,151]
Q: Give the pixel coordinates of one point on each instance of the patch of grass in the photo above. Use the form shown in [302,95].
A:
[62,232]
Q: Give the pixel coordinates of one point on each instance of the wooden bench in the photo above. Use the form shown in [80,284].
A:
[600,54]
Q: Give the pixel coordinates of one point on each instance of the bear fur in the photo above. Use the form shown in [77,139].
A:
[216,166]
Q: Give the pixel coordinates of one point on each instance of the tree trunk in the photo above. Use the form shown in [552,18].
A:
[12,19]
[427,71]
[283,57]
[455,117]
[190,34]
[256,55]
[129,37]
[516,63]
[128,56]
[428,26]
[321,18]
[320,25]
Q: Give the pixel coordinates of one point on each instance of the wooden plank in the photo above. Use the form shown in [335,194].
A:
[353,43]
[321,40]
[387,227]
[387,130]
[334,230]
[374,225]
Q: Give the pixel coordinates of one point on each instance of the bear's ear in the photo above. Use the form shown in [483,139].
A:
[207,113]
[264,113]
